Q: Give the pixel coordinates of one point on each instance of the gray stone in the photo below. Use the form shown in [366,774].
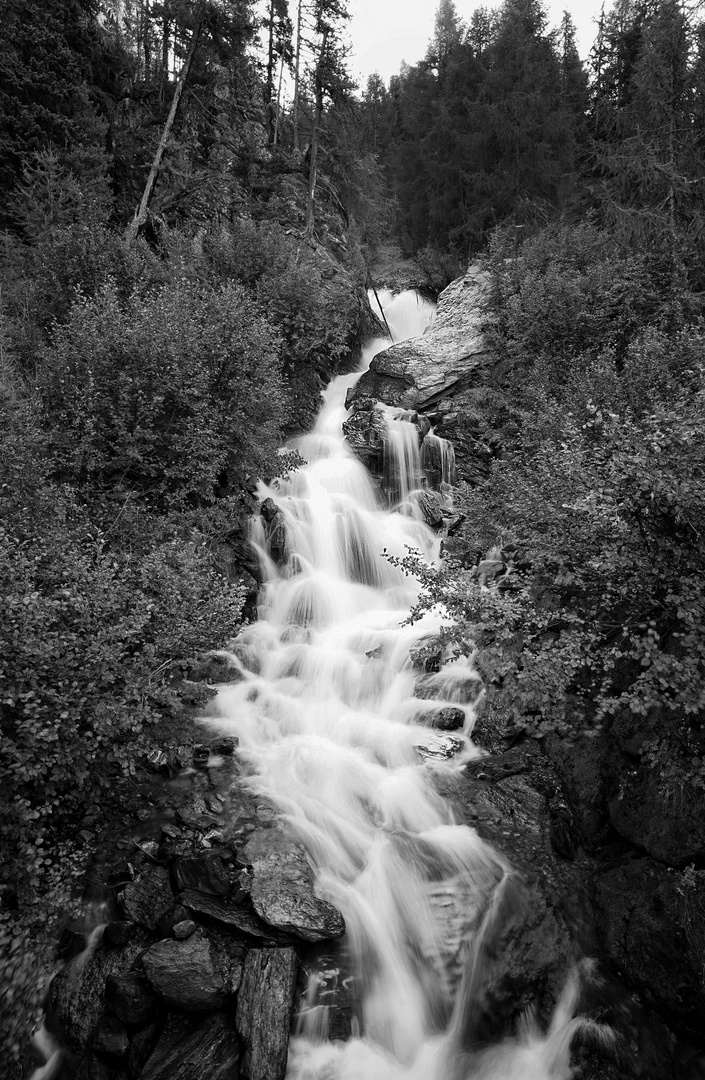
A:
[448,719]
[416,374]
[184,929]
[651,924]
[208,1051]
[130,998]
[76,995]
[229,911]
[206,873]
[109,1038]
[184,973]
[282,888]
[264,1008]
[149,898]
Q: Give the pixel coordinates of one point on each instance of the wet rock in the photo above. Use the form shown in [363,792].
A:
[109,1038]
[94,1067]
[184,973]
[130,998]
[448,719]
[230,912]
[147,899]
[205,873]
[263,1018]
[224,745]
[417,374]
[141,1049]
[76,996]
[72,941]
[187,1052]
[365,433]
[269,510]
[194,814]
[431,508]
[278,540]
[653,812]
[118,933]
[651,924]
[184,929]
[583,765]
[282,888]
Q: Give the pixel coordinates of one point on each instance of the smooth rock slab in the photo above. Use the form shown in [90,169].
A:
[282,888]
[208,1052]
[264,1007]
[226,910]
[184,973]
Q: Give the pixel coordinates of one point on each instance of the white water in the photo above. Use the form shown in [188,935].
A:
[330,721]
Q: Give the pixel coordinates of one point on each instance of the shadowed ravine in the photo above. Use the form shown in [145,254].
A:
[332,716]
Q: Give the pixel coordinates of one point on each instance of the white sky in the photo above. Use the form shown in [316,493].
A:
[385,32]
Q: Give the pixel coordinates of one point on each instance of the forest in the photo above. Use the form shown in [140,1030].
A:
[194,198]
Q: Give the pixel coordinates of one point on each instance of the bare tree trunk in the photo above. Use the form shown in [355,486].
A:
[269,87]
[279,98]
[141,211]
[297,75]
[315,138]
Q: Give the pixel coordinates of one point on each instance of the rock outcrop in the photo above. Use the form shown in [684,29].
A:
[419,373]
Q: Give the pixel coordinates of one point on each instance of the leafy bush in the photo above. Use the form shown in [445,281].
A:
[168,394]
[89,631]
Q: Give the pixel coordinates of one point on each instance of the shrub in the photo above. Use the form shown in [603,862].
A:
[164,394]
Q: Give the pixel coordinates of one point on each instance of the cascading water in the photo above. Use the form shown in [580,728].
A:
[332,714]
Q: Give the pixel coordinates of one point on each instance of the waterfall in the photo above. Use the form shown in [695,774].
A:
[332,718]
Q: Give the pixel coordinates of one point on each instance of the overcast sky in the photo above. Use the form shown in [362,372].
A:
[385,32]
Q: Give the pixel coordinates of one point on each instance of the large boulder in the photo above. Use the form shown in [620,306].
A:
[263,1018]
[189,1052]
[282,888]
[420,372]
[185,973]
[651,925]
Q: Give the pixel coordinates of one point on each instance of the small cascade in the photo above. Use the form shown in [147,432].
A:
[438,461]
[401,460]
[333,715]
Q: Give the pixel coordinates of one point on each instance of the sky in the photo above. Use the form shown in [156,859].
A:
[385,32]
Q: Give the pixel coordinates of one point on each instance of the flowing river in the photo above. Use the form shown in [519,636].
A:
[334,718]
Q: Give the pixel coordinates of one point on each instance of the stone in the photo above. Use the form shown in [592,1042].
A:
[147,899]
[583,765]
[418,373]
[130,998]
[282,888]
[72,941]
[651,925]
[269,510]
[194,813]
[109,1038]
[207,1051]
[184,929]
[664,818]
[94,1067]
[365,433]
[229,911]
[224,745]
[184,973]
[214,668]
[264,1008]
[76,996]
[431,508]
[205,873]
[141,1049]
[448,719]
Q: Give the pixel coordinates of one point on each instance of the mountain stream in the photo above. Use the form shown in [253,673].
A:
[332,717]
